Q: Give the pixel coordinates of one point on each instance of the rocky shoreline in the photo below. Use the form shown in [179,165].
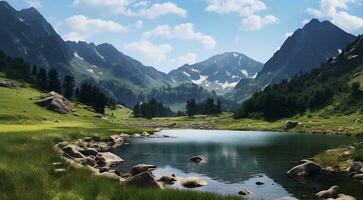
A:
[93,153]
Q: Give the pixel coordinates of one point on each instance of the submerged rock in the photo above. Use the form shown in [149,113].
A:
[55,102]
[305,169]
[192,182]
[244,192]
[196,159]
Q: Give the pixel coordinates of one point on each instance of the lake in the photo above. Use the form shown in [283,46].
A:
[236,160]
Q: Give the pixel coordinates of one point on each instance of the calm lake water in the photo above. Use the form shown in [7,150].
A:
[236,160]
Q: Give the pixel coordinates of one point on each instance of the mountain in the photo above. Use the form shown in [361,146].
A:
[333,88]
[28,35]
[219,73]
[305,50]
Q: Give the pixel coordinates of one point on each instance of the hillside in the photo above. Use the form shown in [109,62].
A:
[334,88]
[305,50]
[220,73]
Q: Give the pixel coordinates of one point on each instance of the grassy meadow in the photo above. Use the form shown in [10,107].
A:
[28,133]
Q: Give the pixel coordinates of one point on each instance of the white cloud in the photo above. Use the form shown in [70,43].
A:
[157,10]
[287,35]
[80,27]
[133,8]
[34,3]
[183,31]
[189,58]
[244,7]
[334,10]
[256,22]
[151,53]
[139,24]
[247,9]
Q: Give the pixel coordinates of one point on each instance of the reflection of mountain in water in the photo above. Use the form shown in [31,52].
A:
[237,157]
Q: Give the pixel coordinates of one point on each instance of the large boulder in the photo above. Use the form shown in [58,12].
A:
[115,140]
[289,125]
[305,169]
[109,159]
[7,84]
[192,182]
[145,179]
[329,193]
[55,102]
[138,169]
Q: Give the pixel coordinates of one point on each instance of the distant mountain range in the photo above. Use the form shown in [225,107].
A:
[306,49]
[220,73]
[26,34]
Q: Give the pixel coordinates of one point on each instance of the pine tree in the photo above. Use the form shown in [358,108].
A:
[42,78]
[54,83]
[191,107]
[68,86]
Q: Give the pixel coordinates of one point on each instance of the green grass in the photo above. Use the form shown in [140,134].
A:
[27,135]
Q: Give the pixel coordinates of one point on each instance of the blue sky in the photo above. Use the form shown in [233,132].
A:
[167,34]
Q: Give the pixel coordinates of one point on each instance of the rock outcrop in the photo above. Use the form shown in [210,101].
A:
[55,102]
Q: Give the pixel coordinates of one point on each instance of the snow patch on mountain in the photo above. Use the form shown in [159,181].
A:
[201,80]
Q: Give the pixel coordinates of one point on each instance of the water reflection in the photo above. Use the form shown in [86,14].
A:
[235,160]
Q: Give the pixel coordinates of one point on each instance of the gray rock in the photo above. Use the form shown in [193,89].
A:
[72,151]
[345,197]
[109,159]
[169,180]
[55,102]
[115,140]
[7,84]
[329,193]
[259,183]
[289,125]
[192,182]
[358,176]
[138,169]
[111,175]
[355,167]
[89,152]
[61,145]
[143,180]
[305,169]
[86,161]
[59,171]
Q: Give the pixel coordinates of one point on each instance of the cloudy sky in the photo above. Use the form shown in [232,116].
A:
[167,34]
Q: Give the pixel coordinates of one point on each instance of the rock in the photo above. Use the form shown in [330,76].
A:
[259,183]
[168,180]
[57,164]
[143,180]
[59,171]
[109,159]
[329,193]
[86,161]
[138,169]
[115,140]
[355,167]
[111,175]
[145,134]
[72,151]
[196,159]
[137,135]
[289,125]
[89,152]
[61,145]
[104,169]
[305,169]
[192,182]
[244,192]
[87,139]
[7,84]
[55,102]
[358,176]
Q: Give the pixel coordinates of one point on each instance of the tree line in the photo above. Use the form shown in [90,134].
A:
[152,109]
[207,107]
[45,80]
